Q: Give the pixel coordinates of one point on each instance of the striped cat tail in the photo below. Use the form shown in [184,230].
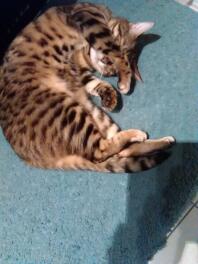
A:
[114,164]
[118,164]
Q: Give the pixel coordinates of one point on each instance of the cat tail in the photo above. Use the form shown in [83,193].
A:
[113,164]
[118,164]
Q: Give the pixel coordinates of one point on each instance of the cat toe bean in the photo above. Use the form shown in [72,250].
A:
[109,98]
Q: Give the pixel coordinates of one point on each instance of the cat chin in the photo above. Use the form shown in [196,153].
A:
[96,57]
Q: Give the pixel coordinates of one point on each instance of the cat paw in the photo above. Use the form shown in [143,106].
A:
[108,97]
[139,136]
[169,139]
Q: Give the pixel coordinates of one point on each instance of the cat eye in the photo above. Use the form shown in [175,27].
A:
[106,61]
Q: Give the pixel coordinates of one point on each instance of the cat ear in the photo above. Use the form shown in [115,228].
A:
[139,28]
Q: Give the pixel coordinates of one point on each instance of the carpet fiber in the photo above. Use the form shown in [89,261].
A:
[56,217]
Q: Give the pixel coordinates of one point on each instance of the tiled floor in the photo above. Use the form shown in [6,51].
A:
[195,200]
[182,243]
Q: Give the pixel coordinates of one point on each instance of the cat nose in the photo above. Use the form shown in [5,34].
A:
[124,87]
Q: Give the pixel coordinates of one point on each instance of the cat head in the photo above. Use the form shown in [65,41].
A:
[116,59]
[125,33]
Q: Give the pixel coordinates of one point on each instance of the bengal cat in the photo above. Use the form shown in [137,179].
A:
[47,75]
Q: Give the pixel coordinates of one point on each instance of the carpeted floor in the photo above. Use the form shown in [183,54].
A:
[56,217]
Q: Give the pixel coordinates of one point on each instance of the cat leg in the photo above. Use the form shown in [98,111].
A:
[114,145]
[103,89]
[104,123]
[147,147]
[100,118]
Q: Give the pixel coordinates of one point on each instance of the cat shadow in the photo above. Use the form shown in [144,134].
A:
[60,2]
[155,201]
[119,105]
[142,41]
[16,15]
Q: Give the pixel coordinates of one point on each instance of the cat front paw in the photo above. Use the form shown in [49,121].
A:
[108,97]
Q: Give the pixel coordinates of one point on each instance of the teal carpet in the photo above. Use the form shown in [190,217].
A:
[56,217]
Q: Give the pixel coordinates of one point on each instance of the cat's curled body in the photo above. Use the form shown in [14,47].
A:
[45,110]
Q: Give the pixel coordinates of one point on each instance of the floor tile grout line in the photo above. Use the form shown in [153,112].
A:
[194,202]
[181,220]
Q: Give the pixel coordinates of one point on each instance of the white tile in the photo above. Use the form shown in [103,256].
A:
[182,245]
[185,212]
